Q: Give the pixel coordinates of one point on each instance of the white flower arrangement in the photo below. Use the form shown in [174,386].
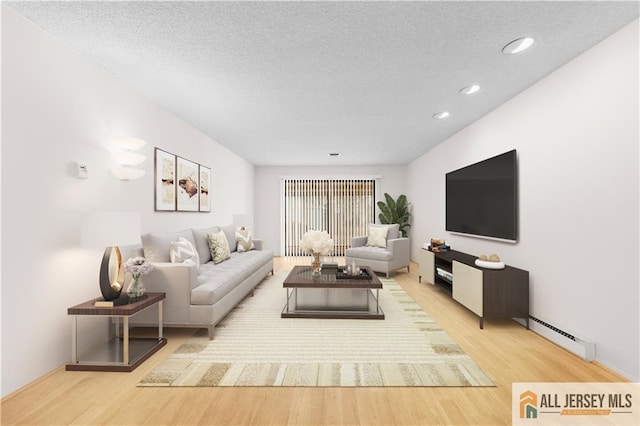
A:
[316,242]
[137,267]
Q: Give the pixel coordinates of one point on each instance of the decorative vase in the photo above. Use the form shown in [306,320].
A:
[135,290]
[316,266]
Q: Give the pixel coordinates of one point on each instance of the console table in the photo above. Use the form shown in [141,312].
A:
[120,353]
[488,293]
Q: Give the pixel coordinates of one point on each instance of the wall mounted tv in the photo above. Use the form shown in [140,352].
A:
[482,199]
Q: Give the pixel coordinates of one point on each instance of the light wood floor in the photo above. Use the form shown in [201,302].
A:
[504,350]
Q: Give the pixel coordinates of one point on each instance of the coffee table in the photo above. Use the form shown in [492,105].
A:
[327,296]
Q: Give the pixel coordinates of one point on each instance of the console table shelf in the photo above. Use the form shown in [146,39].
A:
[489,293]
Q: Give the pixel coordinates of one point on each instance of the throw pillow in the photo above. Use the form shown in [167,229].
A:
[182,250]
[219,247]
[244,240]
[377,236]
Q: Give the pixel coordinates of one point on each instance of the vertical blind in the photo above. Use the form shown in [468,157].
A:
[342,207]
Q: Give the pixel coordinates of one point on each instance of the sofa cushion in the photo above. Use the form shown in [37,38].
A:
[244,240]
[230,233]
[219,246]
[182,250]
[202,242]
[393,229]
[377,236]
[156,245]
[218,280]
[371,253]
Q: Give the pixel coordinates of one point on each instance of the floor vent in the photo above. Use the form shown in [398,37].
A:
[575,344]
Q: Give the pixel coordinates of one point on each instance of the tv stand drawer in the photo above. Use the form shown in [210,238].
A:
[467,287]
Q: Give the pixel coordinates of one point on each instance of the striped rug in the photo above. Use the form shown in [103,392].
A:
[253,346]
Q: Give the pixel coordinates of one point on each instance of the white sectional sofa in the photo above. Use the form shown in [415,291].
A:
[200,295]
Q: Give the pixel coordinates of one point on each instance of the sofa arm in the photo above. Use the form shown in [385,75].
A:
[176,280]
[400,248]
[358,241]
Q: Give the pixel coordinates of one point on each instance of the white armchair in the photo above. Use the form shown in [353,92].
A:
[380,259]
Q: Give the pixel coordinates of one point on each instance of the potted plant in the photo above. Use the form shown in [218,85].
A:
[395,211]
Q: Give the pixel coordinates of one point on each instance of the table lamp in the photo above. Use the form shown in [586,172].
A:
[110,230]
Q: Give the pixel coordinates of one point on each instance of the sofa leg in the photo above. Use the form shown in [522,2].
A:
[408,268]
[253,290]
[387,275]
[211,328]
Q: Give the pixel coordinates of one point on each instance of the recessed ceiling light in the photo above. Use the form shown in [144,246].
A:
[518,45]
[443,114]
[469,89]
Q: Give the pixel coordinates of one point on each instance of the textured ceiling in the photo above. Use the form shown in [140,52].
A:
[285,83]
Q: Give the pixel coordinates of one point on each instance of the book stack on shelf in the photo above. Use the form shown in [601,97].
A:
[438,246]
[445,274]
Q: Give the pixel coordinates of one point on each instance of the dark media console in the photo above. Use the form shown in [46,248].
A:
[488,293]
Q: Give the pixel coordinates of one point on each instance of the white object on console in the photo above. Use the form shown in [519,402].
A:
[489,265]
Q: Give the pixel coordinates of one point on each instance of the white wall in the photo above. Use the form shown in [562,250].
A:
[577,136]
[58,108]
[268,185]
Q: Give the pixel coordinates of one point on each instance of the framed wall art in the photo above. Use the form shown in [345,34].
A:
[205,184]
[187,189]
[165,182]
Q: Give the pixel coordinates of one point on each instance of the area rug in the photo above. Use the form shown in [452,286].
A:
[253,346]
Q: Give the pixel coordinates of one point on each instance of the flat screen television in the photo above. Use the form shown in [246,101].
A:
[482,199]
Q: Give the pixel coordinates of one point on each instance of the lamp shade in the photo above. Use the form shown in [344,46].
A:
[128,158]
[127,173]
[128,142]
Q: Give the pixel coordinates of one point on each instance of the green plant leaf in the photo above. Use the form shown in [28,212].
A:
[395,211]
[390,202]
[385,213]
[401,204]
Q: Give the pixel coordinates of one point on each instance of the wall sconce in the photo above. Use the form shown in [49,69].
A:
[125,157]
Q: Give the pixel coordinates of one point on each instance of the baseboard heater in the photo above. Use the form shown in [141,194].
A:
[577,345]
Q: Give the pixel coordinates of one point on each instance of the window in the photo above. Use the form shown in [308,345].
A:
[343,208]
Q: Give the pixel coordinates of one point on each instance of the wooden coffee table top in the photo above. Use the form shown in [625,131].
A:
[302,277]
